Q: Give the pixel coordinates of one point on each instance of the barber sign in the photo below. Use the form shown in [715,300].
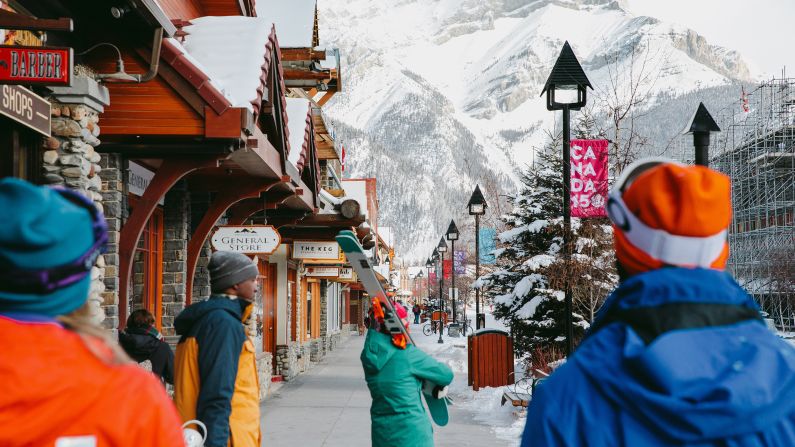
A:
[588,178]
[35,65]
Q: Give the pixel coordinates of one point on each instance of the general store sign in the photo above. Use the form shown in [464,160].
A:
[138,179]
[328,252]
[26,107]
[252,239]
[35,65]
[588,178]
[322,272]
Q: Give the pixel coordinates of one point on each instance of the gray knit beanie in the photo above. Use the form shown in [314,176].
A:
[229,268]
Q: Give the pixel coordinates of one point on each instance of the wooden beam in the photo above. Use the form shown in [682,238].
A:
[10,20]
[170,172]
[302,54]
[306,74]
[325,98]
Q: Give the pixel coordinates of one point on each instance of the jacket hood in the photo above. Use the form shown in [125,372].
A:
[137,344]
[193,313]
[697,383]
[377,351]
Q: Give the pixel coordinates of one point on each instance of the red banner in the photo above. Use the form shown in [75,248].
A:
[448,268]
[588,178]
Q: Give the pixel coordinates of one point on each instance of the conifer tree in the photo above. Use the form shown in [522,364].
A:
[527,285]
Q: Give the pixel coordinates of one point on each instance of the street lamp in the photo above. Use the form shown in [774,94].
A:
[441,249]
[477,207]
[428,265]
[566,90]
[452,236]
[700,126]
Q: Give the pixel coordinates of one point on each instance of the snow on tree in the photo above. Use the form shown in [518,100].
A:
[527,287]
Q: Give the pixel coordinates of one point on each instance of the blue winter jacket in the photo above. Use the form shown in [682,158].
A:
[676,357]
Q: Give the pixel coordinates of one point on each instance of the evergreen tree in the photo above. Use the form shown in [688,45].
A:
[528,285]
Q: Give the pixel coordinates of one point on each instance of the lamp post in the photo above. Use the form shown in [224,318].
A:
[700,126]
[566,79]
[477,207]
[428,265]
[452,236]
[441,248]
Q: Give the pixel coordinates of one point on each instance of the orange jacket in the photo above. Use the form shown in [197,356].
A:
[53,389]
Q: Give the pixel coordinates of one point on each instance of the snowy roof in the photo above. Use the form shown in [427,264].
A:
[294,20]
[231,51]
[297,124]
[332,59]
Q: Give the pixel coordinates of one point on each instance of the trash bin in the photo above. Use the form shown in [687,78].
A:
[481,321]
[454,330]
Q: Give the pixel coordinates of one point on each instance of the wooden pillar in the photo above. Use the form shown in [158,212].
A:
[231,194]
[170,172]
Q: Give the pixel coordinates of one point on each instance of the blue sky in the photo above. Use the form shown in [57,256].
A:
[761,30]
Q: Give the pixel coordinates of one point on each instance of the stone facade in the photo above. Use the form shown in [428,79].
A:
[69,159]
[175,253]
[199,203]
[264,362]
[114,202]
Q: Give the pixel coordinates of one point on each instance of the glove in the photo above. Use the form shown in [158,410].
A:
[432,389]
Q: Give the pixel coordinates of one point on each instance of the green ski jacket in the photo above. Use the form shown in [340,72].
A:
[394,377]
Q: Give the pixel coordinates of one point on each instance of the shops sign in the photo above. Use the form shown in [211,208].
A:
[251,239]
[322,272]
[25,107]
[35,65]
[328,252]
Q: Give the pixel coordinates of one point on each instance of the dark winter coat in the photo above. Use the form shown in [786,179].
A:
[141,346]
[394,377]
[676,357]
[216,373]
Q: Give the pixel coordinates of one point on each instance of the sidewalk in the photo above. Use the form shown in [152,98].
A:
[330,406]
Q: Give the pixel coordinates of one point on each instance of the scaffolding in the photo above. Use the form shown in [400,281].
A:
[756,149]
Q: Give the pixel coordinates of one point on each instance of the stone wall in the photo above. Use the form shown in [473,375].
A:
[175,252]
[69,159]
[264,361]
[199,204]
[114,202]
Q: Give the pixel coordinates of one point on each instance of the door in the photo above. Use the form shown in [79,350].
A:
[269,309]
[147,278]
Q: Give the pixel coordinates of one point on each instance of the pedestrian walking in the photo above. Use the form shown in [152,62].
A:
[143,342]
[395,378]
[678,354]
[216,377]
[416,311]
[63,380]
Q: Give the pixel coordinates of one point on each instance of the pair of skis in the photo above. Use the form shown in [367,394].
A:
[435,396]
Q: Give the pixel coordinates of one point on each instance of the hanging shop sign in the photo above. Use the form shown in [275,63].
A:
[250,239]
[313,251]
[35,65]
[588,178]
[346,274]
[26,107]
[138,179]
[322,271]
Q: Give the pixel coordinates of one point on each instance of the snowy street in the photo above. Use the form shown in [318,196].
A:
[329,406]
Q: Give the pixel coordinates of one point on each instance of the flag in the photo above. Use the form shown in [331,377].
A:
[342,160]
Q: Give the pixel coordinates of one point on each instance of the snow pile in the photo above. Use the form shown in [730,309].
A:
[231,51]
[506,422]
[297,110]
[294,20]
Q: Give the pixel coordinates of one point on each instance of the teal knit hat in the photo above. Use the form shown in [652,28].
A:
[40,229]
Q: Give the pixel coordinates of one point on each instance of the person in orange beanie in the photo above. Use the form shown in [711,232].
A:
[678,354]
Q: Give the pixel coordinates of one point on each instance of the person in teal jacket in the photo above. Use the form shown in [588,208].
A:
[395,378]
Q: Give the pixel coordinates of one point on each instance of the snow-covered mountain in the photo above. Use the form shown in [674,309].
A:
[443,94]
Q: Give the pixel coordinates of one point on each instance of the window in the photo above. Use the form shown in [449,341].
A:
[147,277]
